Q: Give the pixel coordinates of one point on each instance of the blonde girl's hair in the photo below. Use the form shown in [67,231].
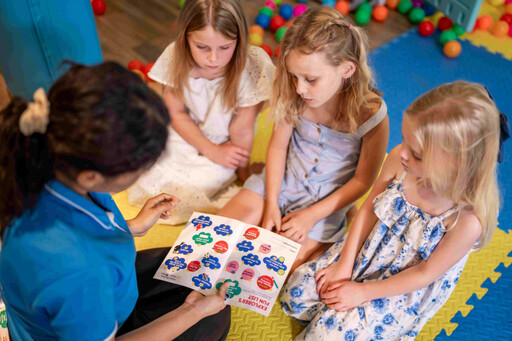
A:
[226,17]
[458,128]
[325,30]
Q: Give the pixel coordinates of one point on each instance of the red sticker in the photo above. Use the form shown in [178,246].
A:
[221,246]
[193,266]
[252,233]
[265,282]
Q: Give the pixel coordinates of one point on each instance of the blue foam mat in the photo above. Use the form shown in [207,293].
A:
[409,66]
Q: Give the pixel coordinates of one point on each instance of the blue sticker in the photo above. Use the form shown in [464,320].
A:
[185,249]
[201,222]
[202,281]
[223,230]
[175,263]
[251,260]
[245,246]
[211,262]
[276,264]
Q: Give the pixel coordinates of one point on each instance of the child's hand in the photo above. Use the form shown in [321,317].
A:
[271,217]
[296,225]
[155,208]
[344,295]
[229,155]
[330,276]
[208,305]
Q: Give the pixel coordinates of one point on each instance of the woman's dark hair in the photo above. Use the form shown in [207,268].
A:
[102,118]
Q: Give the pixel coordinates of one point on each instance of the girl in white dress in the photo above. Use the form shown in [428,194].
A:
[214,86]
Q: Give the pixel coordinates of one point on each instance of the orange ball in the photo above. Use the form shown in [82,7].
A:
[500,29]
[140,74]
[392,4]
[452,49]
[484,22]
[508,8]
[343,7]
[380,13]
[256,29]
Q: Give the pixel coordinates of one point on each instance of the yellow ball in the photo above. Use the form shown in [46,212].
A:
[435,17]
[497,3]
[255,39]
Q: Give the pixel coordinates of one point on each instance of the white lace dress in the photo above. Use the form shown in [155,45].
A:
[201,184]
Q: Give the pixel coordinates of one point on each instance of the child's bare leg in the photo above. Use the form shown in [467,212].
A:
[246,206]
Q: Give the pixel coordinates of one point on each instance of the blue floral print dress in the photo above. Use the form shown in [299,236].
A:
[402,237]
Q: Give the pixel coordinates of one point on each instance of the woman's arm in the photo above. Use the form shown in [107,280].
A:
[274,173]
[241,133]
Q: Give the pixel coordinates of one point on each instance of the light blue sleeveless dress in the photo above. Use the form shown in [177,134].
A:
[319,161]
[402,237]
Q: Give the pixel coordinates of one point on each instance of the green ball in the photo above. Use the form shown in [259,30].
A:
[181,3]
[404,6]
[446,36]
[416,15]
[280,33]
[458,30]
[362,16]
[365,7]
[267,11]
[277,2]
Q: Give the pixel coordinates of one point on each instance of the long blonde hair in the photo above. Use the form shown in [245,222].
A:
[325,30]
[458,126]
[226,17]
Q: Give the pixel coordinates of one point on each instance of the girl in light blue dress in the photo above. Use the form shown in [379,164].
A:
[435,200]
[330,137]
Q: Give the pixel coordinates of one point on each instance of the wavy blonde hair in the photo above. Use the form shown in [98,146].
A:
[325,30]
[458,128]
[226,17]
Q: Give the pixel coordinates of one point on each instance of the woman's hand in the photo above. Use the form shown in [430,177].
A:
[344,295]
[229,155]
[271,217]
[330,276]
[208,305]
[155,208]
[296,225]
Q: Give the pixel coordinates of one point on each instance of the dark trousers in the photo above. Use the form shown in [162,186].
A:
[156,298]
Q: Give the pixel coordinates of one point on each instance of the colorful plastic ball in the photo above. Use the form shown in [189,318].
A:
[452,49]
[276,22]
[426,28]
[343,7]
[404,6]
[392,4]
[182,2]
[447,36]
[271,4]
[428,8]
[269,12]
[277,51]
[508,2]
[278,2]
[286,11]
[299,10]
[362,17]
[500,29]
[508,8]
[255,39]
[484,22]
[510,30]
[329,3]
[303,1]
[99,7]
[458,30]
[444,24]
[140,74]
[267,49]
[416,15]
[146,70]
[256,29]
[497,3]
[417,3]
[281,31]
[436,17]
[365,7]
[507,17]
[135,65]
[263,21]
[380,13]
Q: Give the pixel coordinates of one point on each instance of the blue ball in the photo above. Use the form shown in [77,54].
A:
[329,3]
[263,21]
[286,11]
[429,9]
[303,1]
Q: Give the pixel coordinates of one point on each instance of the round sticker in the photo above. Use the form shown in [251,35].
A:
[265,248]
[232,267]
[251,233]
[221,247]
[265,282]
[193,266]
[247,274]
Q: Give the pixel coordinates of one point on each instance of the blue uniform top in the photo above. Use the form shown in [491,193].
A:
[67,268]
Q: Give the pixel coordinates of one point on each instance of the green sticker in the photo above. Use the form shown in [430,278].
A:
[202,238]
[233,290]
[3,319]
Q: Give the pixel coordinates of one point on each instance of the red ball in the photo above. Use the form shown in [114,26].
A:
[277,51]
[276,22]
[99,7]
[267,49]
[147,68]
[426,28]
[136,65]
[444,24]
[507,17]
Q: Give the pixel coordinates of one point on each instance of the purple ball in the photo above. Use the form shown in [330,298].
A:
[299,10]
[417,3]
